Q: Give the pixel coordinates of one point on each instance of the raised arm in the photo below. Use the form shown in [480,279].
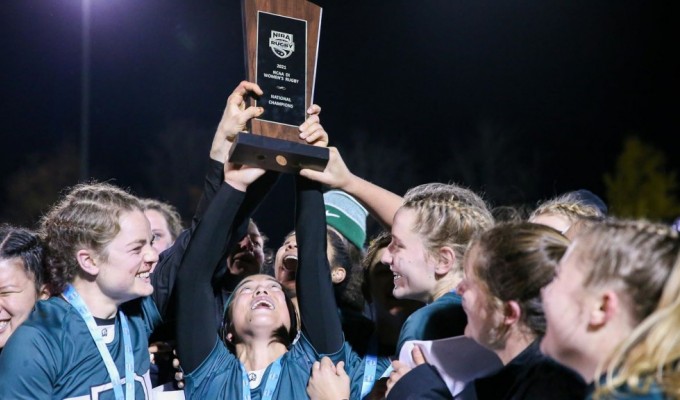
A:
[318,310]
[380,203]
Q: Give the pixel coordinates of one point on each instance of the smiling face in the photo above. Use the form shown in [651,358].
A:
[483,318]
[258,307]
[125,266]
[413,267]
[162,238]
[17,296]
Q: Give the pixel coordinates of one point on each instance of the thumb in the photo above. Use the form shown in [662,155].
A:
[310,174]
[418,357]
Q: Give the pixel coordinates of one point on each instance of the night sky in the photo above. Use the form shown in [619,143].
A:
[519,100]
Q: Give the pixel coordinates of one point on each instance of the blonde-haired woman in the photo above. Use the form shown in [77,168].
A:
[611,280]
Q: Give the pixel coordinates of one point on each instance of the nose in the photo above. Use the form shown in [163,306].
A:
[261,290]
[247,243]
[386,257]
[151,255]
[291,245]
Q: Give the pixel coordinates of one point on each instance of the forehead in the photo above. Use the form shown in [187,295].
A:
[134,223]
[257,279]
[11,268]
[156,219]
[403,222]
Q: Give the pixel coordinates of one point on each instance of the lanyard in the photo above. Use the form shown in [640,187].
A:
[272,381]
[76,301]
[370,363]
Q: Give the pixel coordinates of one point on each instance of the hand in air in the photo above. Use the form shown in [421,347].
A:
[311,130]
[336,174]
[234,119]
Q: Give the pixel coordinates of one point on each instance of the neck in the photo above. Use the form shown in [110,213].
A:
[259,354]
[590,363]
[515,343]
[99,305]
[446,284]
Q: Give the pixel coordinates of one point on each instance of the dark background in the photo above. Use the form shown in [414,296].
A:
[518,100]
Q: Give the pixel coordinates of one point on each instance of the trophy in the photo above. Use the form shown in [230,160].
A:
[281,45]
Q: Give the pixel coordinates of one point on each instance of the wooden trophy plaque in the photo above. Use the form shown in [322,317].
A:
[281,44]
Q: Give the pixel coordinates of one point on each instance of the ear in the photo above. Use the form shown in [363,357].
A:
[512,312]
[338,274]
[87,262]
[605,309]
[230,337]
[445,261]
[44,293]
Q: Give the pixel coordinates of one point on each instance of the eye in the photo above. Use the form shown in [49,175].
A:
[246,289]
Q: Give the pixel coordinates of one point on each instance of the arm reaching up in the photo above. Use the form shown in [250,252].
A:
[381,203]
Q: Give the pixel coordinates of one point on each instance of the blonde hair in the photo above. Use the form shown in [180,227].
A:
[640,259]
[568,205]
[169,213]
[651,354]
[447,215]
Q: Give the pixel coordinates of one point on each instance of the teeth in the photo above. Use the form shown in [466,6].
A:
[3,324]
[396,276]
[143,275]
[262,302]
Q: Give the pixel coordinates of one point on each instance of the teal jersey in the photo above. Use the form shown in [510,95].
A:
[440,319]
[53,356]
[220,376]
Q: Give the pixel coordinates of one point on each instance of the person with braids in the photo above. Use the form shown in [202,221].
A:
[89,339]
[612,311]
[505,271]
[21,278]
[570,212]
[431,227]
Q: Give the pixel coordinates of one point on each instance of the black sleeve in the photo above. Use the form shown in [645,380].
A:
[196,334]
[318,310]
[213,180]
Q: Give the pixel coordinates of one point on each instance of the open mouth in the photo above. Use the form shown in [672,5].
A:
[290,263]
[262,303]
[3,325]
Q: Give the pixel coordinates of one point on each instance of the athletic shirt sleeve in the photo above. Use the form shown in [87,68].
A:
[24,377]
[196,335]
[318,310]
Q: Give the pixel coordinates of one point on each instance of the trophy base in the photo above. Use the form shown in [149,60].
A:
[277,154]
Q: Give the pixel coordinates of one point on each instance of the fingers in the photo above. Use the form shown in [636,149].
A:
[314,109]
[245,87]
[340,369]
[417,354]
[328,365]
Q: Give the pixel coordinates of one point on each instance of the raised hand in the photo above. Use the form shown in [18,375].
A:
[234,119]
[311,130]
[336,174]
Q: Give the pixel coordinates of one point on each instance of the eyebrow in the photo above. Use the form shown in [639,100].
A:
[248,280]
